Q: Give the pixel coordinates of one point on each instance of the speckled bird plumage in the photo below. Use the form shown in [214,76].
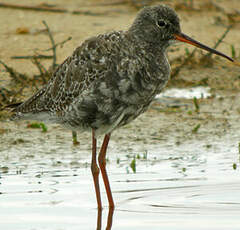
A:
[110,79]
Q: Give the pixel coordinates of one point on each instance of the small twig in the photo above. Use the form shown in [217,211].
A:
[53,44]
[121,2]
[218,8]
[39,66]
[35,8]
[41,56]
[18,77]
[41,69]
[50,9]
[9,96]
[34,84]
[8,69]
[44,74]
[58,44]
[77,12]
[3,92]
[124,2]
[33,57]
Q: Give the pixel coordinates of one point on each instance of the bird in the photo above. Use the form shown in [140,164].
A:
[108,81]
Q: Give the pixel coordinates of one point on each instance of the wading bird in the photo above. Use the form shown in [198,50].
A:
[109,81]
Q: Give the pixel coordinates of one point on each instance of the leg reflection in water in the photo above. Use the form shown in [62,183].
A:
[109,219]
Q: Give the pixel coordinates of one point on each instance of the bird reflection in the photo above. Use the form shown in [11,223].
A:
[109,219]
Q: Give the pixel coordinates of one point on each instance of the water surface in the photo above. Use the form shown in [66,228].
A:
[193,183]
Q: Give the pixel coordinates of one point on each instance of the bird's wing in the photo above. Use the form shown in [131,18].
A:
[89,62]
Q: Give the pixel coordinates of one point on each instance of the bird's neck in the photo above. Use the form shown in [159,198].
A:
[155,48]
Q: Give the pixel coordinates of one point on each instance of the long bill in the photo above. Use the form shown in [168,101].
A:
[184,38]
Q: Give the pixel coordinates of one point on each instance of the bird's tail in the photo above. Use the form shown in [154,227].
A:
[25,110]
[12,106]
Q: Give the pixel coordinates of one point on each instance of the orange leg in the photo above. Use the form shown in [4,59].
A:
[110,218]
[99,219]
[95,170]
[102,165]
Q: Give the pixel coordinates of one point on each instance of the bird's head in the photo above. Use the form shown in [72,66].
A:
[161,25]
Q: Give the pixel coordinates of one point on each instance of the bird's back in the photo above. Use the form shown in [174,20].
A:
[88,63]
[108,80]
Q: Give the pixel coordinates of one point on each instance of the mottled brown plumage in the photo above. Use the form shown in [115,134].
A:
[109,81]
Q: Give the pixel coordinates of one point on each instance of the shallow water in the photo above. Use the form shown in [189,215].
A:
[184,186]
[188,93]
[46,183]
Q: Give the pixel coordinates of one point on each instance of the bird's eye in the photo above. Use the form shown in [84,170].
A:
[161,23]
